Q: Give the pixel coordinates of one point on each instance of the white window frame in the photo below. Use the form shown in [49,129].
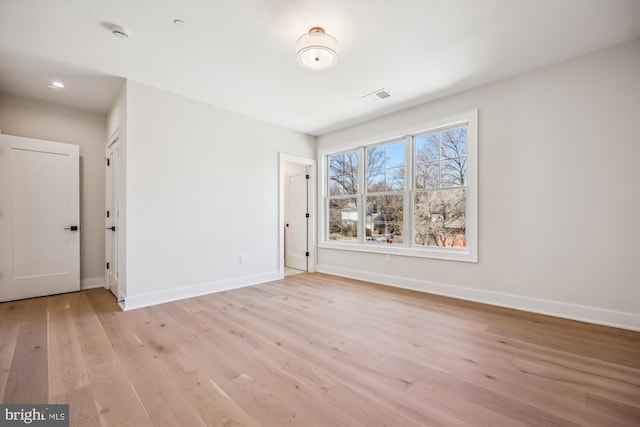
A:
[467,254]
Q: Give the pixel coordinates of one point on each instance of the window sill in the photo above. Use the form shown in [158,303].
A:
[449,254]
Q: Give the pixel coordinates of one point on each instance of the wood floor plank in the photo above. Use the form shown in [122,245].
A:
[161,343]
[82,406]
[10,321]
[513,409]
[621,391]
[162,402]
[360,407]
[66,364]
[494,374]
[296,394]
[215,407]
[620,414]
[326,374]
[315,350]
[326,363]
[262,405]
[27,382]
[263,372]
[115,398]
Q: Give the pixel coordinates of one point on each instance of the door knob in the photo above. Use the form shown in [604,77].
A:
[72,228]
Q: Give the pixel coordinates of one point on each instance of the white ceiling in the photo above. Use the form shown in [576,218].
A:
[240,54]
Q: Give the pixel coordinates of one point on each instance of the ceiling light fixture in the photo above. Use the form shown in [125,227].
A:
[120,32]
[56,85]
[317,50]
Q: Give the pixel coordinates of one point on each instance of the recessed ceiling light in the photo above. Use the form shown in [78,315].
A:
[120,32]
[56,85]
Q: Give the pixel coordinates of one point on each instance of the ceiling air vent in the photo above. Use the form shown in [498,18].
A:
[377,95]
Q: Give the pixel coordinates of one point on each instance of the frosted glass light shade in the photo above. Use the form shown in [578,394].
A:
[317,50]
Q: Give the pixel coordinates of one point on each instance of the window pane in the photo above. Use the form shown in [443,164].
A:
[454,143]
[427,175]
[441,159]
[440,218]
[395,154]
[375,157]
[427,148]
[375,181]
[343,174]
[395,179]
[385,167]
[453,173]
[384,219]
[343,219]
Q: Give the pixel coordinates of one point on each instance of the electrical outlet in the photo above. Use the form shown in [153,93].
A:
[243,259]
[387,258]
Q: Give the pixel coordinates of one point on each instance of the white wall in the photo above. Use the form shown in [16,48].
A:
[36,119]
[117,116]
[558,193]
[202,189]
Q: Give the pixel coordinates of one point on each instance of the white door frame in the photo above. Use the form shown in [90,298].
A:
[289,158]
[112,204]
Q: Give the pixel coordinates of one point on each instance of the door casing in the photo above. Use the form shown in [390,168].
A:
[112,215]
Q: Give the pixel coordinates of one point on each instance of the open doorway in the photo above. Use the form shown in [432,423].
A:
[296,215]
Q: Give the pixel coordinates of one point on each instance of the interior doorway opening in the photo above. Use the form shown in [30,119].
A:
[296,215]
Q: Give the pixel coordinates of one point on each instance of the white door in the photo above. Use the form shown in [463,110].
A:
[112,215]
[39,218]
[296,223]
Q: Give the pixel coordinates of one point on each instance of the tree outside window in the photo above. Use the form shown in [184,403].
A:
[385,192]
[440,188]
[343,203]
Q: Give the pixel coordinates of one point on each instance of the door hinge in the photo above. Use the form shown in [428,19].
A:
[107,266]
[307,215]
[306,253]
[108,162]
[307,176]
[107,214]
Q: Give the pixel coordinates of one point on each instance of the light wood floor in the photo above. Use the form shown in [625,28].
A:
[315,350]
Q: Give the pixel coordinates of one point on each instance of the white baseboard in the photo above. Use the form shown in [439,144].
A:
[92,282]
[595,315]
[138,301]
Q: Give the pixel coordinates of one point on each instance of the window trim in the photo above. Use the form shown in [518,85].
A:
[468,254]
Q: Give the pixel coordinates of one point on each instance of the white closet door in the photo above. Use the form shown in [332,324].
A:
[39,218]
[296,233]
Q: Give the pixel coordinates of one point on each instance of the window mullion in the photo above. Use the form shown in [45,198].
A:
[408,193]
[361,196]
